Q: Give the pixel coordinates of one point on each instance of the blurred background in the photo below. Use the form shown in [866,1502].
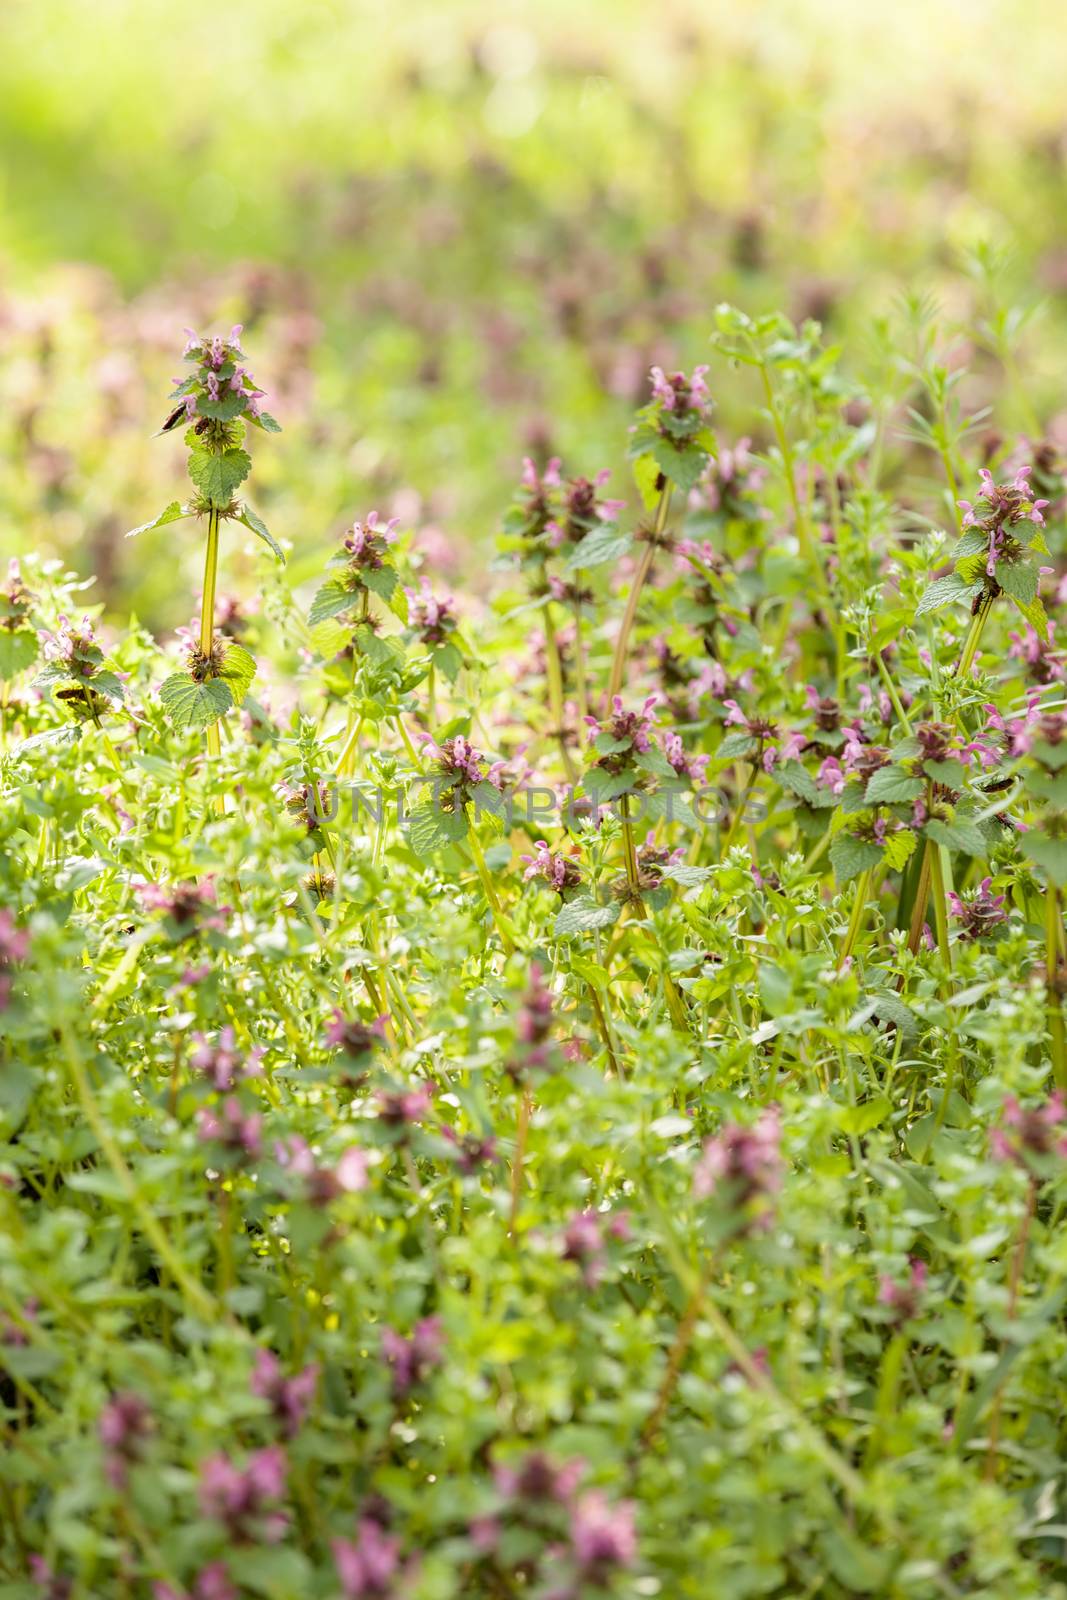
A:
[458,232]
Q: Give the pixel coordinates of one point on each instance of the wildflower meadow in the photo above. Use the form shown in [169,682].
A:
[533,970]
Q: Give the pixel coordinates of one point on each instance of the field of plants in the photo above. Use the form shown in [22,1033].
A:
[533,801]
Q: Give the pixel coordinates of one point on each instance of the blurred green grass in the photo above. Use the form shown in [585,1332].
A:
[460,231]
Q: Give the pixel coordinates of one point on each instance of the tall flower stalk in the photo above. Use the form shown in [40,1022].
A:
[218,402]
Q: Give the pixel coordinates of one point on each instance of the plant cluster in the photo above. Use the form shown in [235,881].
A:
[561,1096]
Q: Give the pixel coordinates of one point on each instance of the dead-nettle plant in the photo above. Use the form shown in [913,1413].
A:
[217,403]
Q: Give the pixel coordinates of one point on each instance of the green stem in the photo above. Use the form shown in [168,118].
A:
[1053,925]
[891,691]
[863,889]
[488,890]
[644,566]
[194,1292]
[554,672]
[785,449]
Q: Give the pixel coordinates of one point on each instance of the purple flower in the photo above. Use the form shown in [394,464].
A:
[213,1583]
[980,912]
[691,768]
[288,1398]
[1025,1132]
[679,394]
[14,947]
[219,374]
[742,1163]
[51,1585]
[472,1150]
[1007,504]
[221,1062]
[633,732]
[244,1499]
[355,1038]
[904,1299]
[533,1026]
[537,1479]
[188,907]
[368,544]
[400,1108]
[231,1127]
[125,1423]
[603,1536]
[431,620]
[414,1358]
[368,1564]
[585,1240]
[322,1184]
[557,870]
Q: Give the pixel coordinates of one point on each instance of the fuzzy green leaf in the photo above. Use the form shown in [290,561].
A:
[260,529]
[217,476]
[172,513]
[194,705]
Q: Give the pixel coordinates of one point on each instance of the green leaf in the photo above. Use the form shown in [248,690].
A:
[682,466]
[230,405]
[380,580]
[266,422]
[599,547]
[862,1118]
[583,916]
[850,856]
[448,660]
[945,590]
[194,705]
[172,513]
[430,828]
[798,780]
[646,476]
[217,476]
[332,599]
[1018,579]
[892,785]
[1049,854]
[959,834]
[108,683]
[18,650]
[260,529]
[238,669]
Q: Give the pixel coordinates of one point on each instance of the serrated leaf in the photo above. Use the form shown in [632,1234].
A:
[238,669]
[194,705]
[583,916]
[217,476]
[230,405]
[892,786]
[172,513]
[959,834]
[381,581]
[682,466]
[108,683]
[899,848]
[646,476]
[18,650]
[1049,854]
[430,829]
[260,529]
[798,780]
[332,599]
[448,660]
[599,547]
[266,422]
[736,745]
[943,591]
[850,856]
[1019,580]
